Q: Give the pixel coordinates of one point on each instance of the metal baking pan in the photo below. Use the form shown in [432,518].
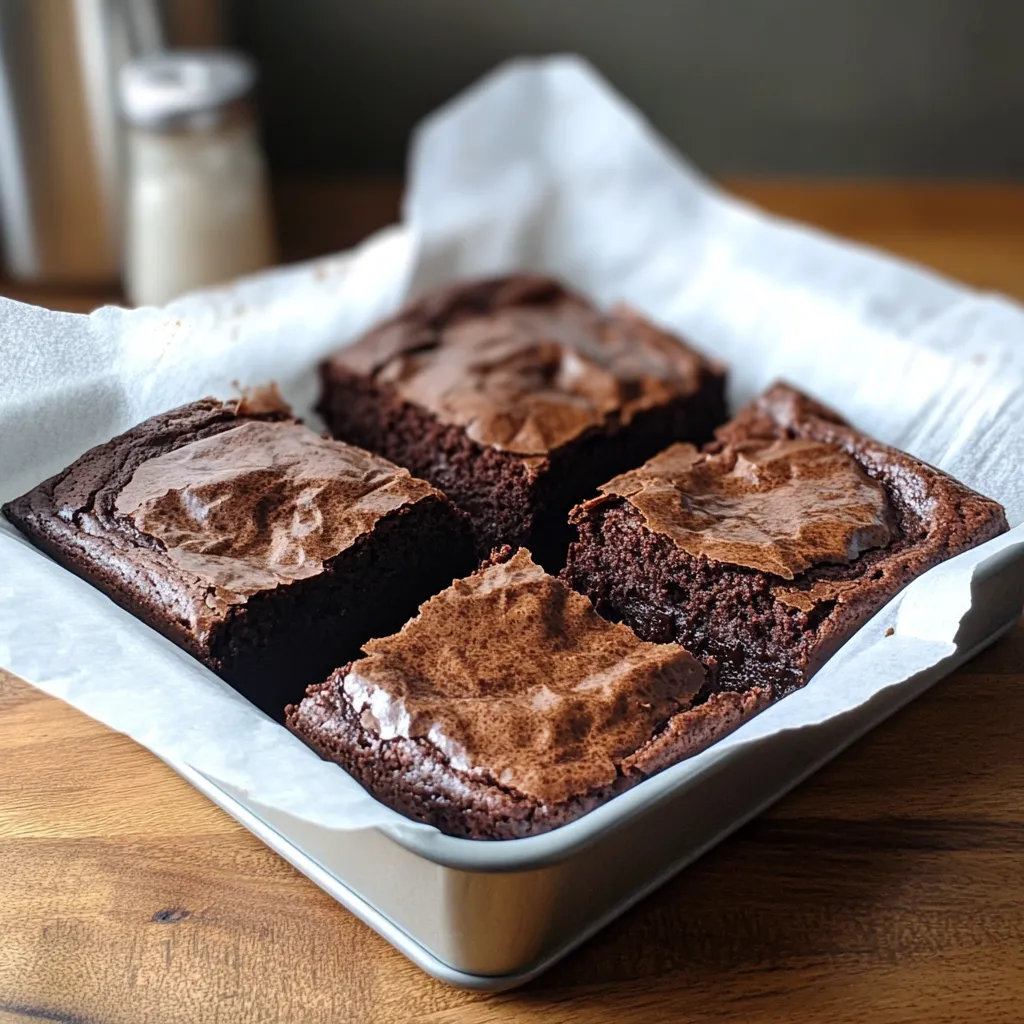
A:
[493,915]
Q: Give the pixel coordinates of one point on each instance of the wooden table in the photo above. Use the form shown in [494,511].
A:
[888,888]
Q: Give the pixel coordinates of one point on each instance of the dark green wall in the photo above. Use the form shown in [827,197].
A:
[903,87]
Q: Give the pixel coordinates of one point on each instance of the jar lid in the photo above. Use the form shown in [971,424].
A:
[183,88]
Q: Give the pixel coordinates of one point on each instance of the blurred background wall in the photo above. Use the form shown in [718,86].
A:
[838,87]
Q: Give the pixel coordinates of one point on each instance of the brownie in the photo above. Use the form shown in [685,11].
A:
[517,398]
[763,553]
[508,707]
[266,551]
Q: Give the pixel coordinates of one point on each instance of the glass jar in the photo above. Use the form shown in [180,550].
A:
[197,210]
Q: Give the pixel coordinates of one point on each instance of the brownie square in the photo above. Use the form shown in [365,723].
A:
[517,398]
[266,551]
[763,553]
[508,707]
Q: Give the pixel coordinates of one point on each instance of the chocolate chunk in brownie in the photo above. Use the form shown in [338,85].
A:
[517,398]
[766,551]
[508,707]
[266,551]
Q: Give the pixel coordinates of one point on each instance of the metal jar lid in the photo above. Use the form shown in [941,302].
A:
[184,89]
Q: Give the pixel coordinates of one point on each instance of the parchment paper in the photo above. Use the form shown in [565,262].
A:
[541,167]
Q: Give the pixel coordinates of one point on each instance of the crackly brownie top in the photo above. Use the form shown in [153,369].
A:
[523,364]
[776,505]
[262,504]
[514,677]
[199,508]
[901,514]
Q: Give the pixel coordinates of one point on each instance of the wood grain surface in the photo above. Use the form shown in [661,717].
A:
[890,887]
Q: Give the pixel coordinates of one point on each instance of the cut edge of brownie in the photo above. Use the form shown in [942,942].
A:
[729,616]
[370,589]
[511,498]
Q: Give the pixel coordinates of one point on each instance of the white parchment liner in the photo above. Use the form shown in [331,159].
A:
[541,167]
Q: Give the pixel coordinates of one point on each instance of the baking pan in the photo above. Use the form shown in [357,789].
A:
[492,915]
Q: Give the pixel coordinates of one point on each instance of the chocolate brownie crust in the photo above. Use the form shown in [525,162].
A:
[269,635]
[72,518]
[448,724]
[411,777]
[752,627]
